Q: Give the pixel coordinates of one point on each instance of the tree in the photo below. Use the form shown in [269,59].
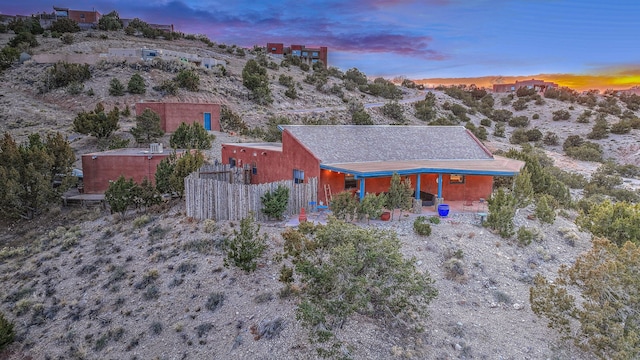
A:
[147,129]
[116,88]
[274,203]
[190,136]
[344,205]
[523,189]
[399,196]
[65,25]
[246,246]
[371,206]
[163,174]
[255,78]
[23,38]
[148,195]
[604,318]
[27,171]
[394,111]
[343,270]
[185,165]
[110,22]
[188,79]
[97,123]
[136,84]
[7,334]
[502,209]
[619,221]
[121,195]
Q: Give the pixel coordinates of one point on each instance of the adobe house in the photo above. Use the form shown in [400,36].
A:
[309,55]
[538,85]
[84,18]
[442,161]
[173,114]
[100,168]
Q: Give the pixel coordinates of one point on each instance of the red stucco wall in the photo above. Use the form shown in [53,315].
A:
[173,114]
[89,16]
[97,172]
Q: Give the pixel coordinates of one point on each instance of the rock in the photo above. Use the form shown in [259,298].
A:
[458,347]
[517,306]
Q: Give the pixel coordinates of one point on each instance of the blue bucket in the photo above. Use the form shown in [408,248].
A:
[443,210]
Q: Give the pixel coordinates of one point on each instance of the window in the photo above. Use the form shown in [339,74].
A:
[232,162]
[350,181]
[254,168]
[273,49]
[456,179]
[295,52]
[298,176]
[315,53]
[304,53]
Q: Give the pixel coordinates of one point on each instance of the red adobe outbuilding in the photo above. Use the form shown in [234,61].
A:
[173,114]
[442,161]
[100,168]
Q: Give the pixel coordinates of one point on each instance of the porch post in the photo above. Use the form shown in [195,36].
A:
[418,186]
[361,189]
[440,186]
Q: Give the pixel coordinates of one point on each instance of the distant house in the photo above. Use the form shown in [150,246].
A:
[173,114]
[100,168]
[309,55]
[146,54]
[85,18]
[538,85]
[441,161]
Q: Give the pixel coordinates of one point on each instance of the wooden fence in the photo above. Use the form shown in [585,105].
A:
[213,196]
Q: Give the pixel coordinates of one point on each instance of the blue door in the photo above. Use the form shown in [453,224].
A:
[207,121]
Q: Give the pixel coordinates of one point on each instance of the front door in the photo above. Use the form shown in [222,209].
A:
[207,121]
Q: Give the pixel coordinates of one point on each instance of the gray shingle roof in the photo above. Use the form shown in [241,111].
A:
[335,144]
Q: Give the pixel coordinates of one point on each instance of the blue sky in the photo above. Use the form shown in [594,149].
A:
[417,39]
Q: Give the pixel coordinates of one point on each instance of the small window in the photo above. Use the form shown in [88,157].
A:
[304,53]
[350,182]
[456,179]
[254,168]
[232,162]
[315,53]
[273,49]
[298,176]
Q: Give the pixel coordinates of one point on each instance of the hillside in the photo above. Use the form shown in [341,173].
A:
[84,284]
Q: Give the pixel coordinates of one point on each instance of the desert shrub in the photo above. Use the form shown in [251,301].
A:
[371,206]
[502,209]
[572,141]
[256,79]
[499,130]
[520,104]
[545,209]
[168,87]
[291,92]
[7,334]
[62,74]
[600,314]
[527,235]
[535,116]
[588,151]
[519,121]
[121,195]
[485,122]
[67,39]
[286,80]
[502,115]
[274,203]
[188,79]
[421,226]
[425,109]
[621,127]
[600,129]
[116,88]
[75,88]
[534,134]
[617,221]
[550,139]
[519,136]
[97,122]
[147,129]
[584,117]
[375,280]
[344,206]
[245,247]
[434,220]
[394,111]
[65,25]
[361,117]
[559,115]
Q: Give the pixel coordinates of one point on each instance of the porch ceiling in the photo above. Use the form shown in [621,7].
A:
[498,166]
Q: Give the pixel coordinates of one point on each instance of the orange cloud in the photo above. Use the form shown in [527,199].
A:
[616,79]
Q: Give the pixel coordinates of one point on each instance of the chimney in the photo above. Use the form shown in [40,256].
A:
[156,148]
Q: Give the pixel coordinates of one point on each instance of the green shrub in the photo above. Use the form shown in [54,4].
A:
[344,206]
[371,206]
[62,74]
[434,220]
[621,127]
[535,116]
[214,301]
[600,129]
[7,334]
[519,136]
[586,152]
[274,203]
[559,115]
[502,209]
[421,226]
[168,87]
[550,139]
[485,122]
[190,136]
[527,235]
[188,79]
[116,88]
[136,84]
[245,247]
[534,134]
[67,39]
[23,38]
[545,209]
[499,130]
[64,25]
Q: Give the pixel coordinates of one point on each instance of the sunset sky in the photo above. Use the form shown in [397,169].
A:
[578,43]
